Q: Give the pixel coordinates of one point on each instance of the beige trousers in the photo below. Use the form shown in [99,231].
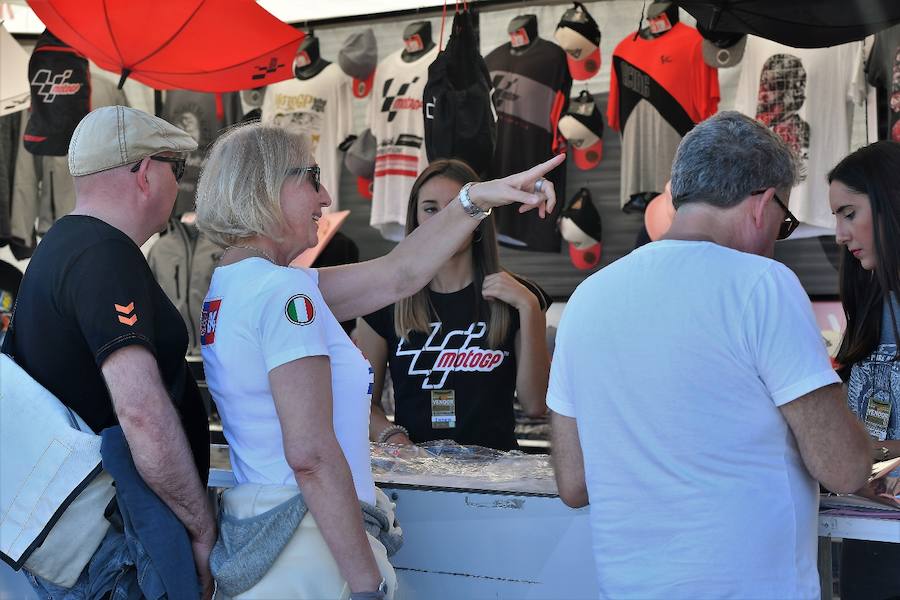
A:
[305,568]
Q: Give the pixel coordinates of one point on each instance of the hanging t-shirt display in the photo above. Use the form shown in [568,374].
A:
[659,89]
[531,91]
[806,96]
[397,122]
[60,95]
[883,72]
[320,108]
[203,117]
[453,363]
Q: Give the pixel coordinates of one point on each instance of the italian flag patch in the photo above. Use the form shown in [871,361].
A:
[299,310]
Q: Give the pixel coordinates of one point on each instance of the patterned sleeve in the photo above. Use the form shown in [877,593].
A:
[111,285]
[289,319]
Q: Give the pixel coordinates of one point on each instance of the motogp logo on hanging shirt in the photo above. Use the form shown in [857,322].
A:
[50,86]
[467,357]
[395,103]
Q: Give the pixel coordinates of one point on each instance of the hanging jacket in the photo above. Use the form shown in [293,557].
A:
[43,190]
[460,121]
[156,540]
[10,130]
[60,95]
[182,260]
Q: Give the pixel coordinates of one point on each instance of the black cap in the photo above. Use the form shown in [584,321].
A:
[583,213]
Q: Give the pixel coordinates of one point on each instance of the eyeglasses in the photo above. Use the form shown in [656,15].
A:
[790,222]
[177,165]
[315,174]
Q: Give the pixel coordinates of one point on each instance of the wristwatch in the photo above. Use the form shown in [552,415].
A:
[471,209]
[379,594]
[885,453]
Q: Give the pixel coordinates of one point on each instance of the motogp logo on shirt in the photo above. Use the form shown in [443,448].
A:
[466,357]
[393,104]
[50,86]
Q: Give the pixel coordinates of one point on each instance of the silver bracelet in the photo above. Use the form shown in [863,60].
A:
[471,209]
[390,430]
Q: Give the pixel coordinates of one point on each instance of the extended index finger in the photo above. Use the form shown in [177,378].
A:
[538,171]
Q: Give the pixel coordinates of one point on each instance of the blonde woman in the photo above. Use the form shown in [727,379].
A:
[462,348]
[290,386]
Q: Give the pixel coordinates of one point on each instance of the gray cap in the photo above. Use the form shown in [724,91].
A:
[113,136]
[721,55]
[358,59]
[359,56]
[360,157]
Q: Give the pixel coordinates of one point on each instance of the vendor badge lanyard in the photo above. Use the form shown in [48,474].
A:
[443,409]
[878,408]
[443,406]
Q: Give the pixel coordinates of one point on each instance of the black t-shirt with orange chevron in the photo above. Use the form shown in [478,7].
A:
[88,292]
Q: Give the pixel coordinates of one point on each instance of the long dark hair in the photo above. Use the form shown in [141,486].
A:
[415,312]
[874,171]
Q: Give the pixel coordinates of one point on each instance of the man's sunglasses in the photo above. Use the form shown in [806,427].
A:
[177,165]
[790,222]
[315,174]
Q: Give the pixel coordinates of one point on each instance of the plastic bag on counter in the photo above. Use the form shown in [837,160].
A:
[446,464]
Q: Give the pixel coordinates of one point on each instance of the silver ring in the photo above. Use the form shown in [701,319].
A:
[539,185]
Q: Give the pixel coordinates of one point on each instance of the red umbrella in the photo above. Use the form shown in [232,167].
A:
[199,45]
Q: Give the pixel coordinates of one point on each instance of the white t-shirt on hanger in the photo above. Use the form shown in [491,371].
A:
[319,107]
[398,124]
[806,95]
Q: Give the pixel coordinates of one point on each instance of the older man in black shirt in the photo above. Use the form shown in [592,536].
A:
[92,325]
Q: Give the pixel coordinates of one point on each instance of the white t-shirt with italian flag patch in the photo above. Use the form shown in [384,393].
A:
[258,316]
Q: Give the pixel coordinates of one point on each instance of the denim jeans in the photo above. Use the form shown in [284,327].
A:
[111,573]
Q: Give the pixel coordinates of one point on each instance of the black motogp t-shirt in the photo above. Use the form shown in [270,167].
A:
[454,356]
[87,292]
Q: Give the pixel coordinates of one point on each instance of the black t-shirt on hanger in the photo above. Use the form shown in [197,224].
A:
[454,355]
[883,73]
[88,292]
[531,93]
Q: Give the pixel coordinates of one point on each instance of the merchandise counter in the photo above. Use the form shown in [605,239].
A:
[467,536]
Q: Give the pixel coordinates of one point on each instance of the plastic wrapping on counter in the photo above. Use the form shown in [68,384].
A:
[880,498]
[446,464]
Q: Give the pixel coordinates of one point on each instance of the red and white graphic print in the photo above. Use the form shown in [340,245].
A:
[209,316]
[457,351]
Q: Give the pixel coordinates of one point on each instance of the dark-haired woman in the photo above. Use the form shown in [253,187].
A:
[865,198]
[461,349]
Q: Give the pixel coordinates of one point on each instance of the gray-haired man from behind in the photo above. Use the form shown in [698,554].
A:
[694,405]
[93,327]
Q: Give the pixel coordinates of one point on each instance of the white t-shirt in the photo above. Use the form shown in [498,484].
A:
[248,330]
[674,360]
[396,119]
[807,97]
[320,108]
